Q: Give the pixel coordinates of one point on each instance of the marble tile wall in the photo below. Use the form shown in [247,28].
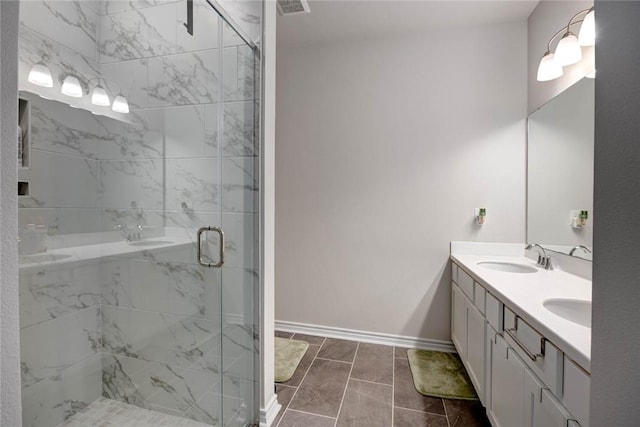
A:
[60,357]
[73,24]
[247,14]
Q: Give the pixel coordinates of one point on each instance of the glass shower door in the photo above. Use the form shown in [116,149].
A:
[129,310]
[190,327]
[240,154]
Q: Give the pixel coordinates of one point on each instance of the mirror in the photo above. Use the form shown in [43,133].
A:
[560,172]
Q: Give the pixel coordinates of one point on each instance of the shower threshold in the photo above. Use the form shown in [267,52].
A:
[111,413]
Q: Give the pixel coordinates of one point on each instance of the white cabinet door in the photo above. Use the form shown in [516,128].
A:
[507,386]
[475,349]
[576,391]
[459,321]
[489,344]
[542,409]
[550,413]
[532,396]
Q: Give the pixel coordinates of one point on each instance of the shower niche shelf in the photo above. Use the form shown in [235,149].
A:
[24,124]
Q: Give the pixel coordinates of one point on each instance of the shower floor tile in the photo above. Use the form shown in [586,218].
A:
[110,413]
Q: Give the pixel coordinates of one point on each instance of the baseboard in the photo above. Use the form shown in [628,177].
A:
[365,336]
[268,414]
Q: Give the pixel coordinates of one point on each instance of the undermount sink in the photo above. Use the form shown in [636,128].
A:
[150,243]
[44,257]
[508,267]
[573,310]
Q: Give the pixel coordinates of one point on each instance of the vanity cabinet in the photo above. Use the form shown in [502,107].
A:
[476,330]
[518,396]
[499,350]
[489,347]
[468,333]
[576,391]
[459,321]
[507,385]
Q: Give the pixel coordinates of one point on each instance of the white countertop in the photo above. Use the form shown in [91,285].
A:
[64,257]
[524,295]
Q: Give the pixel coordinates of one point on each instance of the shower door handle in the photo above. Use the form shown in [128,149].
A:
[218,230]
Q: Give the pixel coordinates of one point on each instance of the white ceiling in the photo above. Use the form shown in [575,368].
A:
[339,20]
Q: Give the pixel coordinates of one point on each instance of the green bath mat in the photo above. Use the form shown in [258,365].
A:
[440,374]
[289,353]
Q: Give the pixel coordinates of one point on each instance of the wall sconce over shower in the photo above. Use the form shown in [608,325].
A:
[120,105]
[99,93]
[100,96]
[99,89]
[40,75]
[71,87]
[569,48]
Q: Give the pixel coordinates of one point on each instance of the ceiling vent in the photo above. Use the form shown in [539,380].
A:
[293,7]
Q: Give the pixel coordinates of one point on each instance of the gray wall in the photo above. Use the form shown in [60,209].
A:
[383,151]
[616,270]
[9,353]
[547,18]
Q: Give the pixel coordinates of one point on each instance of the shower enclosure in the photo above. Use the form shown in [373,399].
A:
[138,229]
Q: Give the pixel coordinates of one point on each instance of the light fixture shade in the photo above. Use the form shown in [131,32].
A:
[590,66]
[587,35]
[71,87]
[568,50]
[120,105]
[40,75]
[548,68]
[100,97]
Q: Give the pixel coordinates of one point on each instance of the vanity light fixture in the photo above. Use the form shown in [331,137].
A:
[568,50]
[100,97]
[40,75]
[548,68]
[120,105]
[71,87]
[587,35]
[592,66]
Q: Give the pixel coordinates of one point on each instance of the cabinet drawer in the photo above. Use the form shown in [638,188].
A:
[479,297]
[466,283]
[530,344]
[493,312]
[575,396]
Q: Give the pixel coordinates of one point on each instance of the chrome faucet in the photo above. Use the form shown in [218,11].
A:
[130,235]
[543,259]
[139,230]
[122,229]
[575,248]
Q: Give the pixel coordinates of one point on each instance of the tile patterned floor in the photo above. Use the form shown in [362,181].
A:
[110,413]
[350,384]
